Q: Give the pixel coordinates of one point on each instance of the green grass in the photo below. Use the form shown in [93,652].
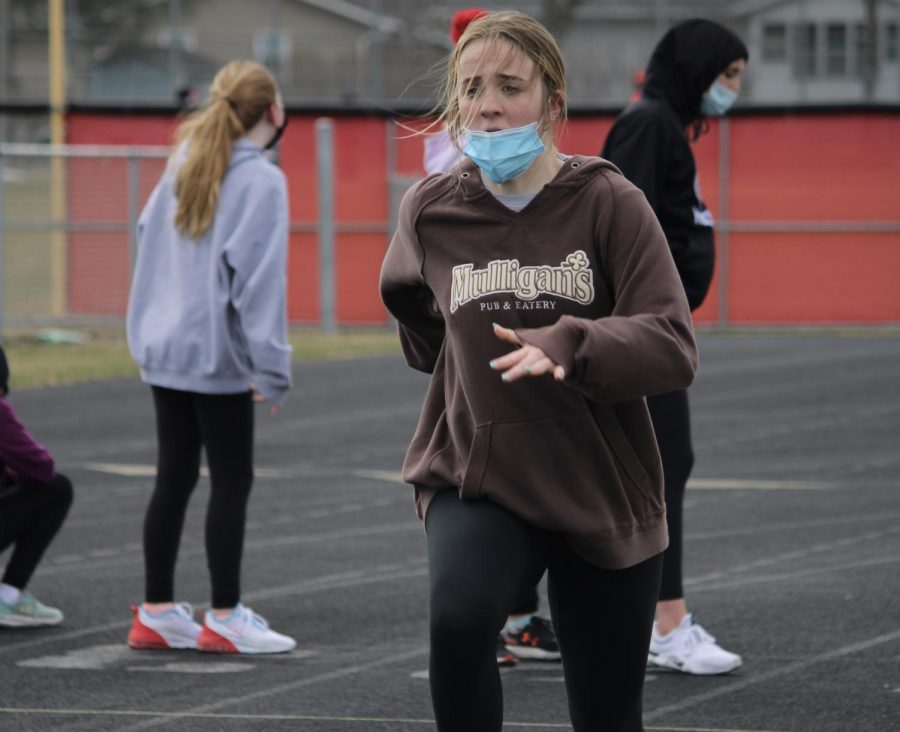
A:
[105,356]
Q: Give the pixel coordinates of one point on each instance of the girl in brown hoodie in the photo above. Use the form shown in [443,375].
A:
[539,292]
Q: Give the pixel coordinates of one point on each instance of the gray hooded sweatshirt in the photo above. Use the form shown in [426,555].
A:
[209,315]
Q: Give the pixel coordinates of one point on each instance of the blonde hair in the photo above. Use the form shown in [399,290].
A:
[528,36]
[239,96]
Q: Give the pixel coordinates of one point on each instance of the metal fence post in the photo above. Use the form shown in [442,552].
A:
[133,182]
[325,168]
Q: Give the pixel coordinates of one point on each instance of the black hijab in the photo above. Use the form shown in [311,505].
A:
[686,62]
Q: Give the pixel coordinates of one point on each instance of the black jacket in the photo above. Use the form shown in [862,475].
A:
[648,142]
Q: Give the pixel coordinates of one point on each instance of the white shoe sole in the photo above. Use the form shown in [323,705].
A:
[533,654]
[673,663]
[25,621]
[212,641]
[251,650]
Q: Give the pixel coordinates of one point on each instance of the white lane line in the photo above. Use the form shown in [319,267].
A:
[223,667]
[313,718]
[314,422]
[774,387]
[388,476]
[744,581]
[355,579]
[66,559]
[414,525]
[93,658]
[317,421]
[162,717]
[142,470]
[706,729]
[793,525]
[778,673]
[792,556]
[344,580]
[83,659]
[283,688]
[348,580]
[728,484]
[733,484]
[792,428]
[76,563]
[129,470]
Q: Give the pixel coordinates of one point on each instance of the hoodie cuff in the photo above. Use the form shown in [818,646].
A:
[273,393]
[559,341]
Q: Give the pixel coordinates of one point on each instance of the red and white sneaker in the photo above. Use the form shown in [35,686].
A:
[173,628]
[241,632]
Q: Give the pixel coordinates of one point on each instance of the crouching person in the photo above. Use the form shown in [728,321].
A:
[34,502]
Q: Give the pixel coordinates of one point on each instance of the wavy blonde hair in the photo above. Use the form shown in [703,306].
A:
[528,36]
[239,96]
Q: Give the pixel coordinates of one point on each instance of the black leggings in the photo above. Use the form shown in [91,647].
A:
[479,557]
[526,602]
[672,423]
[186,422]
[30,516]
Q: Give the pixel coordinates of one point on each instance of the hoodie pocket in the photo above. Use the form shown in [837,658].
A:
[479,454]
[574,473]
[621,447]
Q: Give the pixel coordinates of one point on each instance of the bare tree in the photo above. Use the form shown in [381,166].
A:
[556,15]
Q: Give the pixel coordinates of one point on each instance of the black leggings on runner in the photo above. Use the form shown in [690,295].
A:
[527,601]
[186,422]
[672,424]
[30,516]
[479,558]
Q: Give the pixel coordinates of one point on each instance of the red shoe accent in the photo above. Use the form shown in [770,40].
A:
[211,642]
[142,638]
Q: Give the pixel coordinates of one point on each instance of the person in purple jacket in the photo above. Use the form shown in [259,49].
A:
[34,502]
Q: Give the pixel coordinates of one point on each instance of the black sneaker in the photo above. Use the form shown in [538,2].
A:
[504,656]
[536,641]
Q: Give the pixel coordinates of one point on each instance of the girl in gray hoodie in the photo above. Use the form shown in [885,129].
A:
[207,326]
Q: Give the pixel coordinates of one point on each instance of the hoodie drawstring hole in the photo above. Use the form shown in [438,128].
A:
[464,175]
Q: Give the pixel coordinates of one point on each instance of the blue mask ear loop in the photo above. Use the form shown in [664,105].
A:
[548,114]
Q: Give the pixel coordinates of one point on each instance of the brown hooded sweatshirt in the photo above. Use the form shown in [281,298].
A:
[583,272]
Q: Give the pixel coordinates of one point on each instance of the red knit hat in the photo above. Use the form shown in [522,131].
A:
[461,20]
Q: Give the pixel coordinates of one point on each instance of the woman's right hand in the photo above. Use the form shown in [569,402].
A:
[527,360]
[258,397]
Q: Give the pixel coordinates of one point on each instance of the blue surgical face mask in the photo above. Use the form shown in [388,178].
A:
[504,154]
[717,100]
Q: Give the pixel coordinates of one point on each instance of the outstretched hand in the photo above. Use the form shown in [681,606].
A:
[527,360]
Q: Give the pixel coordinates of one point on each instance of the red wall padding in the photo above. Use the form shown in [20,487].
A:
[783,168]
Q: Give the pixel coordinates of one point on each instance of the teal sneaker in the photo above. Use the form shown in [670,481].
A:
[28,612]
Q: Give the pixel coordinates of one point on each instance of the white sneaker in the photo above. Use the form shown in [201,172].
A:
[28,612]
[241,632]
[690,649]
[174,628]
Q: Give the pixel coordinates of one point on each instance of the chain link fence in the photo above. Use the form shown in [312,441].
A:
[68,218]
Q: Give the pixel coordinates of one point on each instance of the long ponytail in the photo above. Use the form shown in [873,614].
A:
[240,94]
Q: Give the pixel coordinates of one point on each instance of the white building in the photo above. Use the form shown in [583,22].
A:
[819,51]
[385,53]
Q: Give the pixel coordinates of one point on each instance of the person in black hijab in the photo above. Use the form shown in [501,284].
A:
[694,73]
